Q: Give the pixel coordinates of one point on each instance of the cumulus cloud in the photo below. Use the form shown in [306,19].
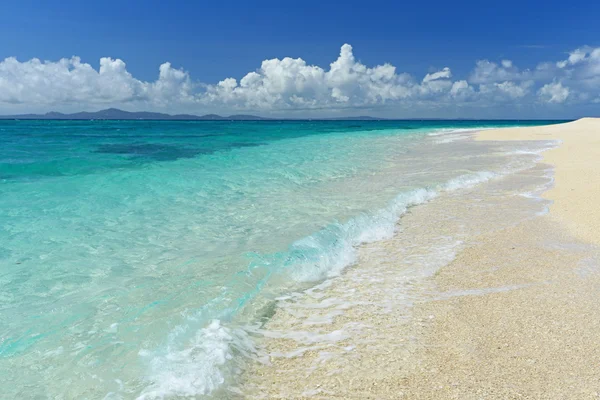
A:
[582,68]
[70,81]
[291,84]
[554,93]
[575,57]
[172,84]
[443,74]
[507,89]
[460,87]
[486,72]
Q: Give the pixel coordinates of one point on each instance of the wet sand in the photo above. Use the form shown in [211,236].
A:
[541,341]
[477,296]
[577,171]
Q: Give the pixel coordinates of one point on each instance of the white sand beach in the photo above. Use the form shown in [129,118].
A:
[513,312]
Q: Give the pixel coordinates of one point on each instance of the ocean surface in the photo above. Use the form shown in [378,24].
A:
[135,255]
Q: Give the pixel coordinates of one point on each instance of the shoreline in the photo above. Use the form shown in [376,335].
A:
[577,171]
[510,315]
[538,341]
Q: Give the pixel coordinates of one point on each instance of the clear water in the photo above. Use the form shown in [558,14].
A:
[131,251]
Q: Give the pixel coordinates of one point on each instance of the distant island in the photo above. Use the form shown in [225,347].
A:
[116,114]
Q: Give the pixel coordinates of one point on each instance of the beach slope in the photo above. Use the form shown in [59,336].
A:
[538,338]
[481,293]
[577,171]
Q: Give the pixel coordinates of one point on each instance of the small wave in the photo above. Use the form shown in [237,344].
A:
[199,368]
[535,151]
[451,139]
[469,180]
[326,253]
[446,131]
[201,364]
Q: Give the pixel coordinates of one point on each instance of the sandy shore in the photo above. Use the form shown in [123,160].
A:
[514,315]
[577,171]
[541,341]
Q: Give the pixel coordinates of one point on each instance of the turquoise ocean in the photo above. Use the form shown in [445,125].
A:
[133,254]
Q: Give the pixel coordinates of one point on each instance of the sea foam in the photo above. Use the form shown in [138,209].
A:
[327,252]
[199,368]
[202,364]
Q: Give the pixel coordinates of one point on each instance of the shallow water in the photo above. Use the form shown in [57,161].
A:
[136,256]
[338,339]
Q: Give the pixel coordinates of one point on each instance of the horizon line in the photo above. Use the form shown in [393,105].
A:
[104,114]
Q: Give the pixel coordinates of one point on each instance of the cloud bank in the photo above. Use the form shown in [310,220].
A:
[290,85]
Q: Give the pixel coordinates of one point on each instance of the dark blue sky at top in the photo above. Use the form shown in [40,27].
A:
[219,39]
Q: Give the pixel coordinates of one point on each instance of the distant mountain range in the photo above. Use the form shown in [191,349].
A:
[116,114]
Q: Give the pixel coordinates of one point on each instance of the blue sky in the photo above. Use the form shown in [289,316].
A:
[212,41]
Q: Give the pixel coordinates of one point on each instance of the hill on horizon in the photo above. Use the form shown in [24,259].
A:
[117,114]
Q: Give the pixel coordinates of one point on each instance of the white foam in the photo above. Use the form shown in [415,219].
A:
[322,319]
[480,292]
[329,302]
[308,337]
[446,131]
[529,195]
[451,139]
[326,253]
[203,363]
[468,180]
[536,151]
[199,368]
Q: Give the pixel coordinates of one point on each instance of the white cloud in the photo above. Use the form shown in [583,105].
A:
[172,84]
[580,72]
[489,72]
[577,56]
[443,74]
[462,92]
[515,90]
[554,93]
[458,87]
[69,81]
[291,84]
